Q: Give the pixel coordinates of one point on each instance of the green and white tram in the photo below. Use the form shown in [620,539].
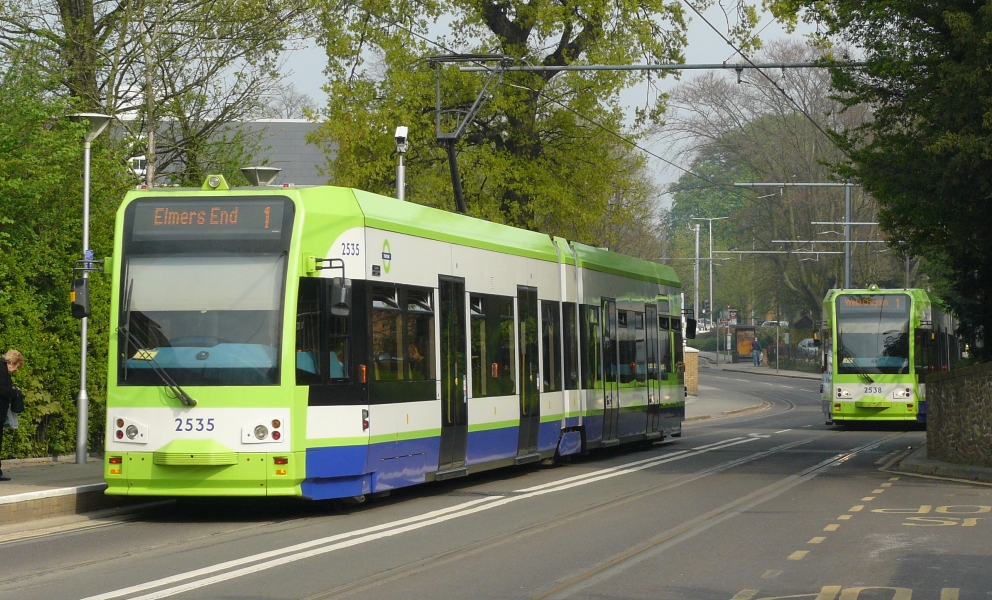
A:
[876,347]
[327,342]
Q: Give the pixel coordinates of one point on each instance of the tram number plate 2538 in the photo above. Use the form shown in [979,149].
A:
[873,389]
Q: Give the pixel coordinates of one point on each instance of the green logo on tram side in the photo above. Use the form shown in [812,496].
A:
[387,256]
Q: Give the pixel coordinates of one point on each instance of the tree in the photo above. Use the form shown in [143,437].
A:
[926,153]
[40,230]
[751,131]
[536,155]
[149,61]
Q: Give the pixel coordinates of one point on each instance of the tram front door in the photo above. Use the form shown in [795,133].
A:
[611,378]
[454,390]
[654,385]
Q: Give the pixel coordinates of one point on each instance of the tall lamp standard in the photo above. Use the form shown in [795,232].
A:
[95,124]
[713,306]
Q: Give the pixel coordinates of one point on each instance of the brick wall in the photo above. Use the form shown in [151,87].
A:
[692,371]
[959,416]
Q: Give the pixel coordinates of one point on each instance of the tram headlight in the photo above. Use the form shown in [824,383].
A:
[131,432]
[261,432]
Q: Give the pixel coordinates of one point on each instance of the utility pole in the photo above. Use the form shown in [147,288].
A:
[847,236]
[695,275]
[712,306]
[847,214]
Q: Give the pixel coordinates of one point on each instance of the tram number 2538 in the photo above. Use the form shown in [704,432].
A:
[872,389]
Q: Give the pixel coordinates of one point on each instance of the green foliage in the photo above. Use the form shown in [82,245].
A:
[926,155]
[41,158]
[533,157]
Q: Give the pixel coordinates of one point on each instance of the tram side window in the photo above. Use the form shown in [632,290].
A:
[921,358]
[571,340]
[651,335]
[308,332]
[591,347]
[551,328]
[640,370]
[493,346]
[665,347]
[420,335]
[625,342]
[387,335]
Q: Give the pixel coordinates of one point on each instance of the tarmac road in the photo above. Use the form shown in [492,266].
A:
[764,504]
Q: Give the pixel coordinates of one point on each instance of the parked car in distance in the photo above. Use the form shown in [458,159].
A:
[806,346]
[775,324]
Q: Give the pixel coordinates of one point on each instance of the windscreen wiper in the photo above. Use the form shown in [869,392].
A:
[148,355]
[861,372]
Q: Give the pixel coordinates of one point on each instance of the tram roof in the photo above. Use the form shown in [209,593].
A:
[390,214]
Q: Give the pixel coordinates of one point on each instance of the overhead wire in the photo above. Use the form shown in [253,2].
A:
[712,183]
[763,74]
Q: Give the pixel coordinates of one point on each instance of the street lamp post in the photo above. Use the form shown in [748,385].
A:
[712,306]
[402,144]
[95,124]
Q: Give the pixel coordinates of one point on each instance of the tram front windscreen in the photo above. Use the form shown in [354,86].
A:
[873,333]
[202,292]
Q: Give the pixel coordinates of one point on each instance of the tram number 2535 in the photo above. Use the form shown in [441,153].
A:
[872,389]
[189,424]
[350,249]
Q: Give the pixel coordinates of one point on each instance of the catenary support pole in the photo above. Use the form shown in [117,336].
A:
[847,236]
[695,286]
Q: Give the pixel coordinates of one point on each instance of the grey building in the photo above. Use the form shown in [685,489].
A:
[284,145]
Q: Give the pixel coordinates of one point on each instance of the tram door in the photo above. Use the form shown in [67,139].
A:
[611,379]
[454,390]
[654,385]
[530,380]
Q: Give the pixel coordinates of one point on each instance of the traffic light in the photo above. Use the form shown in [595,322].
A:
[80,298]
[706,305]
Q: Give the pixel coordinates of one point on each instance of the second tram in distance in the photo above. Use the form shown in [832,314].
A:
[876,347]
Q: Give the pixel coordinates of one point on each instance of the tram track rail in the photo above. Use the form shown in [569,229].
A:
[480,546]
[622,561]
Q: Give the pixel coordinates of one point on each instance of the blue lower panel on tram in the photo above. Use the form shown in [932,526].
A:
[402,463]
[632,422]
[491,444]
[571,443]
[593,424]
[548,436]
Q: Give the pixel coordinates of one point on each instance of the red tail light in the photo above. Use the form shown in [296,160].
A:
[276,435]
[281,460]
[115,460]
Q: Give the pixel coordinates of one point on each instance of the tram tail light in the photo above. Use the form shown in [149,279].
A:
[115,460]
[365,419]
[281,460]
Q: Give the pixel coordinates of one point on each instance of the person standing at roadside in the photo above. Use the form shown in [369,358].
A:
[9,393]
[756,352]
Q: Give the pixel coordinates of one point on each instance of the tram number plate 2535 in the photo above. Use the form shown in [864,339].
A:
[873,389]
[194,424]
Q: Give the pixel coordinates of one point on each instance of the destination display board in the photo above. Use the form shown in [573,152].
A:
[249,218]
[872,305]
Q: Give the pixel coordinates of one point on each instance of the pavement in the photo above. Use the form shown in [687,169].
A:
[708,361]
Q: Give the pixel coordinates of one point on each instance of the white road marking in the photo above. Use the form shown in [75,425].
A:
[783,431]
[717,443]
[345,540]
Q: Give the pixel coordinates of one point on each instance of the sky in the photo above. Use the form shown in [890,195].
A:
[705,46]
